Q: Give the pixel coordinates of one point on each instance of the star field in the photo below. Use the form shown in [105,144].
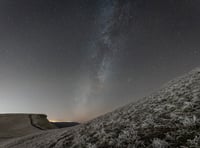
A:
[74,60]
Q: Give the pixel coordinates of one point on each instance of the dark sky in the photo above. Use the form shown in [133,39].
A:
[76,59]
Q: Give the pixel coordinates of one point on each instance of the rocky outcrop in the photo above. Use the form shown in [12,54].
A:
[167,118]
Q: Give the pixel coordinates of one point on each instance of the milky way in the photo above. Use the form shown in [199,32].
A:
[103,50]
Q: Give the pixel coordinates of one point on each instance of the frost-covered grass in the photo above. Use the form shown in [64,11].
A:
[157,143]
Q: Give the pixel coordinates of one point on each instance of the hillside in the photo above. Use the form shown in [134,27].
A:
[65,124]
[167,118]
[17,125]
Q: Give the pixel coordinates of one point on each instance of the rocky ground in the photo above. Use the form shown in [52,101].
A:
[167,118]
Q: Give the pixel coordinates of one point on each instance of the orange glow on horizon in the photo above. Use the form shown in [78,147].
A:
[55,120]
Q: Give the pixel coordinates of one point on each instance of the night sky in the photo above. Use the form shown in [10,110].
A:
[76,59]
